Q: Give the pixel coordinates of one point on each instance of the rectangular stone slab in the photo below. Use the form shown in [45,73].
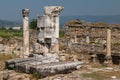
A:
[55,68]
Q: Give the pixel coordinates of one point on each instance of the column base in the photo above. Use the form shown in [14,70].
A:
[93,59]
[108,61]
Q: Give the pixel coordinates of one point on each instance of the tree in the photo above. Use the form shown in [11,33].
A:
[33,24]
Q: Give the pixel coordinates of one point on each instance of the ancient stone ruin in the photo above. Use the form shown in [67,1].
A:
[48,30]
[93,38]
[44,60]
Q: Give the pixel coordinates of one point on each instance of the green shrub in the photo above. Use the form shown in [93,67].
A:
[61,34]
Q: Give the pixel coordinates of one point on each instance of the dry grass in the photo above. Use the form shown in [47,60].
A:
[102,75]
[4,57]
[99,75]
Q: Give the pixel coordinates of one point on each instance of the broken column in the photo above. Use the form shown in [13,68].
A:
[25,13]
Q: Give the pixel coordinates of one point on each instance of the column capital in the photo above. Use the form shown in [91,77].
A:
[53,10]
[25,12]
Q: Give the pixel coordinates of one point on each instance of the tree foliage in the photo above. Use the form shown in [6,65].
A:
[33,24]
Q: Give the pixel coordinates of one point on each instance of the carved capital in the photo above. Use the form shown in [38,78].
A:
[25,12]
[53,10]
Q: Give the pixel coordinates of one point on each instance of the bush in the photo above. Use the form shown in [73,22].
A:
[33,24]
[61,34]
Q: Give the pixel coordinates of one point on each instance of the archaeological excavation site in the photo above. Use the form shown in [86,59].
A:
[85,51]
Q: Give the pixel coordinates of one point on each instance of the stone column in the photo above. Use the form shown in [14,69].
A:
[87,35]
[54,46]
[75,38]
[108,58]
[56,26]
[25,13]
[87,39]
[57,46]
[108,52]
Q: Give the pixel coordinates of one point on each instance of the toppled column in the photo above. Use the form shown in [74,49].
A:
[25,13]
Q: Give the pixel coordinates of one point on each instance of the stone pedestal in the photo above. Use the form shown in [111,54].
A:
[93,59]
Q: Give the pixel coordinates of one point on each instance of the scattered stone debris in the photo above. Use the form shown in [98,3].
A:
[12,75]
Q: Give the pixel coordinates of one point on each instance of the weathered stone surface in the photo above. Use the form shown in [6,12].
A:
[55,68]
[12,63]
[43,66]
[63,56]
[25,66]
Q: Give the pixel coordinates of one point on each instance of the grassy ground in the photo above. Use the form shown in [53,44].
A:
[18,33]
[10,33]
